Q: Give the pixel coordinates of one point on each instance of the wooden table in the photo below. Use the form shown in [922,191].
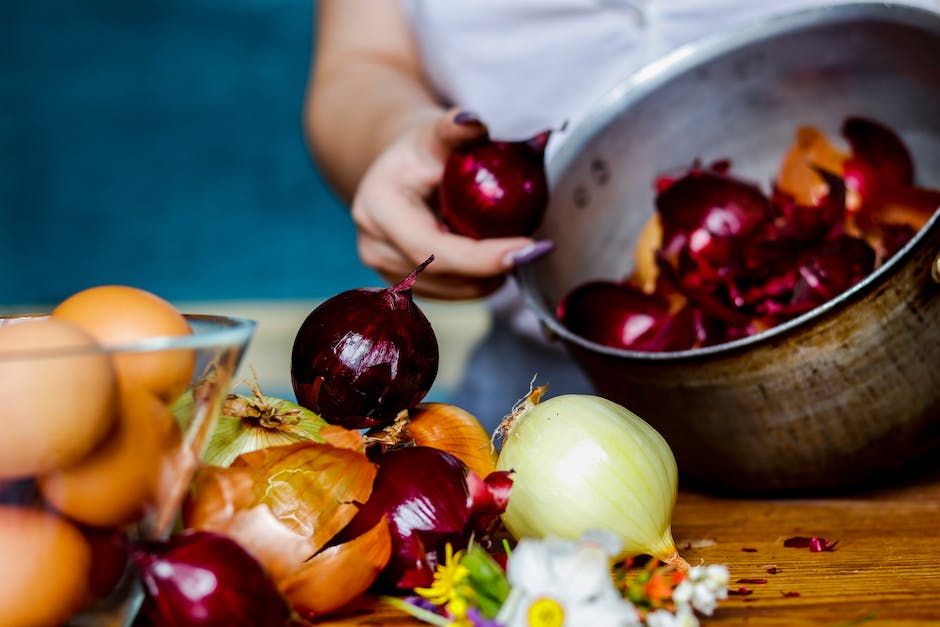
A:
[885,569]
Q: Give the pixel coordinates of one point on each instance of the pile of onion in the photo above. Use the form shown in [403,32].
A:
[721,260]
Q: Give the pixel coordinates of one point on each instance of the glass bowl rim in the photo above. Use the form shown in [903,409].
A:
[209,330]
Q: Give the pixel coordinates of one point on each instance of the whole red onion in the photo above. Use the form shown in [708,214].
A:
[206,579]
[364,355]
[495,188]
[430,498]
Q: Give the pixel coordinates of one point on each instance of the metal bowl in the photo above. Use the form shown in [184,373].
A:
[845,393]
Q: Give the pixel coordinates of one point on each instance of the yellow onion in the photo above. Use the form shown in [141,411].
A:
[445,427]
[285,505]
[582,462]
[250,423]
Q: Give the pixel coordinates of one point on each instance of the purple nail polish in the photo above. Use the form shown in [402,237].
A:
[466,118]
[530,253]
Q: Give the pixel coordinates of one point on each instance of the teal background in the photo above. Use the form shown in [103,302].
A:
[157,143]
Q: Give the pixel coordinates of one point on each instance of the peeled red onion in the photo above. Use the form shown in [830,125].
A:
[207,579]
[743,261]
[495,188]
[879,158]
[365,355]
[430,498]
[622,316]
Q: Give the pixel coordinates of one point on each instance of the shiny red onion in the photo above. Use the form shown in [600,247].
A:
[706,217]
[205,579]
[495,188]
[879,160]
[623,316]
[364,355]
[830,269]
[430,498]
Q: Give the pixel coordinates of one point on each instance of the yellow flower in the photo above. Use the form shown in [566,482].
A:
[447,579]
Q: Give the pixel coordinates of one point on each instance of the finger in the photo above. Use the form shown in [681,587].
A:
[458,127]
[452,287]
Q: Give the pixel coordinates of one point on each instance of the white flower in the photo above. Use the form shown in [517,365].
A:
[563,583]
[703,588]
[684,617]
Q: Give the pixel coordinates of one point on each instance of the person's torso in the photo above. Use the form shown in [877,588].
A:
[527,65]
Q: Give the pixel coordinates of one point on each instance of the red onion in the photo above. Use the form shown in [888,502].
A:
[364,355]
[879,159]
[495,188]
[705,217]
[732,261]
[206,579]
[623,316]
[430,498]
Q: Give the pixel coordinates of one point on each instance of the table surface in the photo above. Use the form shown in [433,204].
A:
[885,569]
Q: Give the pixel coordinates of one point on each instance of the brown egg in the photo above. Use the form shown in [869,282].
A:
[55,404]
[46,563]
[114,484]
[118,315]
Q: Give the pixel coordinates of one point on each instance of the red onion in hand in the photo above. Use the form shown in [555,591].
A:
[495,188]
[364,355]
[206,579]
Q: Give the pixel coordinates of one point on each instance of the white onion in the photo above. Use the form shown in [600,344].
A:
[582,462]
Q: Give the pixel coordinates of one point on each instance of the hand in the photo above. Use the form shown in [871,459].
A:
[397,230]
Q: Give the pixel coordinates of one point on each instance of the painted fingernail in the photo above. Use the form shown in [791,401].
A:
[466,118]
[530,253]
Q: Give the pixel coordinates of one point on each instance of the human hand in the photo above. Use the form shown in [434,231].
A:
[397,229]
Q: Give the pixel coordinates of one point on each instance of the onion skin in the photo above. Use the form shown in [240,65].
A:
[286,505]
[582,462]
[365,355]
[445,427]
[495,188]
[338,574]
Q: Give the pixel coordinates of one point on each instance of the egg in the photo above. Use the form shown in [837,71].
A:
[119,315]
[46,566]
[57,396]
[114,484]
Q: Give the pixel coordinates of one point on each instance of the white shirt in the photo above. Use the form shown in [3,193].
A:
[526,65]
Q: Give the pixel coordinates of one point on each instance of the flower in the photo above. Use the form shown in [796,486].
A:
[564,583]
[450,588]
[702,589]
[447,579]
[684,617]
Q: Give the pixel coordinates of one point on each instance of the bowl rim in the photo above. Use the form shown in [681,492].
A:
[208,331]
[648,78]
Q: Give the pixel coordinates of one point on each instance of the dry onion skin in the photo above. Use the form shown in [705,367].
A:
[285,505]
[582,462]
[250,423]
[446,427]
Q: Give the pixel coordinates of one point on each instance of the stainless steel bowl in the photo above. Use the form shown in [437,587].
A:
[845,393]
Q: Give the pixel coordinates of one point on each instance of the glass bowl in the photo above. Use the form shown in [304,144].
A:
[91,466]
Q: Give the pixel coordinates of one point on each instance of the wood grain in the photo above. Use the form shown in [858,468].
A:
[883,571]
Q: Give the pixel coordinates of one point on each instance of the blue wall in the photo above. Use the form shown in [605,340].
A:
[157,143]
